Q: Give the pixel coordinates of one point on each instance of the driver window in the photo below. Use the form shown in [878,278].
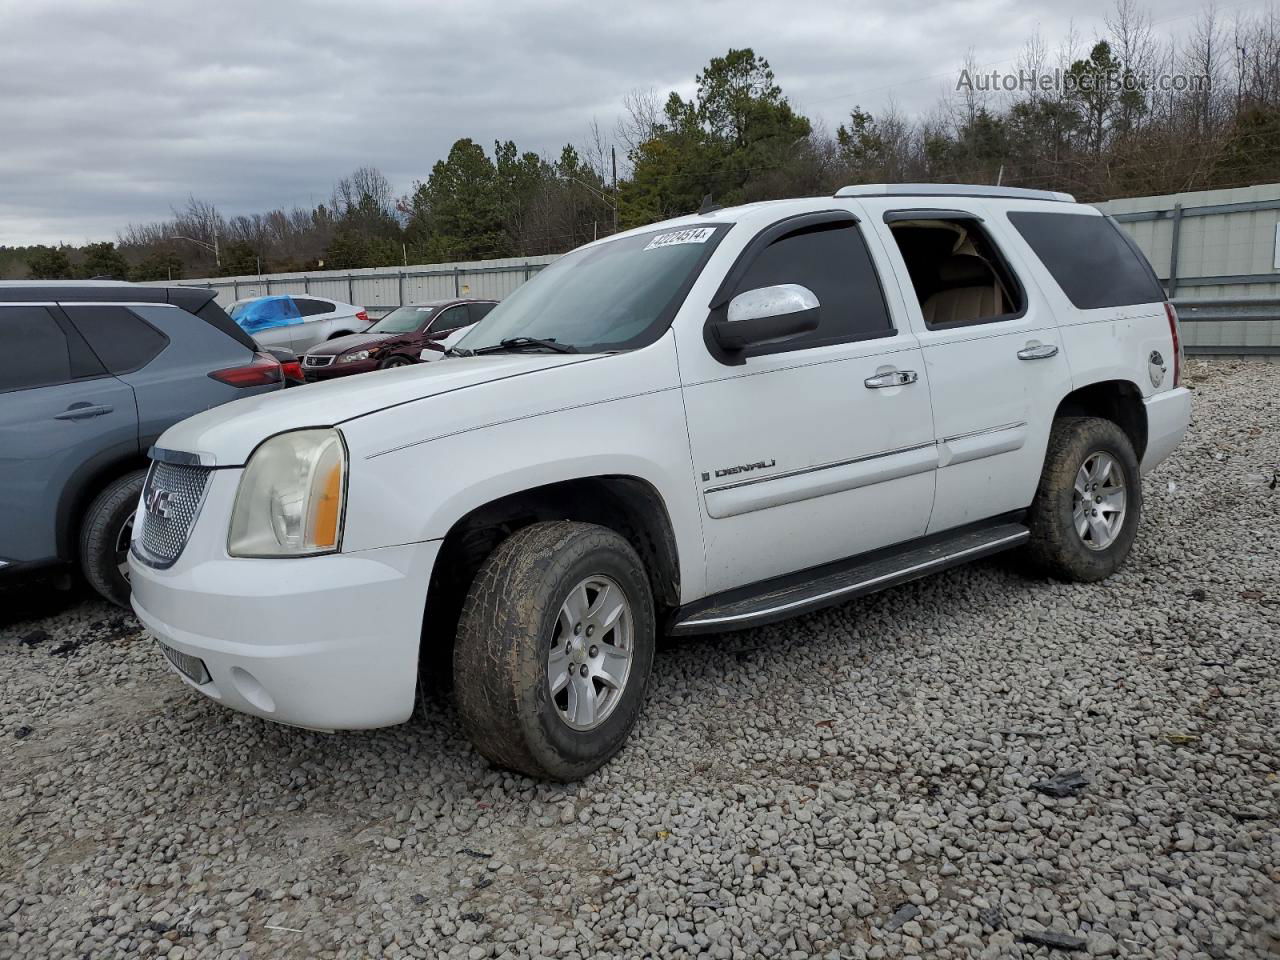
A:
[832,261]
[451,319]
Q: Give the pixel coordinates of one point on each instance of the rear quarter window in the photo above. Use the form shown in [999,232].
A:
[1089,258]
[123,341]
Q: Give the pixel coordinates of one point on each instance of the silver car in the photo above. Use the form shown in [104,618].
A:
[297,322]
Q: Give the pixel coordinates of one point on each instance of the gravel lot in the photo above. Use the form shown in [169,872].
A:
[857,783]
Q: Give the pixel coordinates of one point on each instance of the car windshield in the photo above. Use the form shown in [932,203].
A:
[403,320]
[617,295]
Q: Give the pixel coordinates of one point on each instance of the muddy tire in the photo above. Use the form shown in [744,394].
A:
[1089,503]
[554,649]
[104,537]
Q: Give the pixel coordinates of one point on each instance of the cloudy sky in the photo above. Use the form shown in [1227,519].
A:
[113,111]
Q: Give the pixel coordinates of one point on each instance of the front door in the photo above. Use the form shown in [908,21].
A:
[818,448]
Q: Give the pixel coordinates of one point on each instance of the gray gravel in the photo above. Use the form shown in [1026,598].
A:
[857,783]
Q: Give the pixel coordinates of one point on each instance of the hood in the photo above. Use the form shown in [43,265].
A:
[225,436]
[352,341]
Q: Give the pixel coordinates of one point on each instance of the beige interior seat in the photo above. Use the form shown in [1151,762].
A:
[970,292]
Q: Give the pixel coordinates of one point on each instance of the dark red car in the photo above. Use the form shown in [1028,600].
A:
[396,340]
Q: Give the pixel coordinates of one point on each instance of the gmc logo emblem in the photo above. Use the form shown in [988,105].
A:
[157,502]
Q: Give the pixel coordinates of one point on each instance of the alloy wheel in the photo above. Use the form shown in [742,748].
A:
[591,652]
[1099,501]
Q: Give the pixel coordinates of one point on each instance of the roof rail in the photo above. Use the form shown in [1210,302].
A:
[950,190]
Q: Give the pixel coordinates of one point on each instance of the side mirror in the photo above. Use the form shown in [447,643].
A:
[767,314]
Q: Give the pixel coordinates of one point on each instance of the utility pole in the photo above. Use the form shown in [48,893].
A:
[613,153]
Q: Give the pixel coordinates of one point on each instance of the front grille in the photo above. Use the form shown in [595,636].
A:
[171,500]
[311,360]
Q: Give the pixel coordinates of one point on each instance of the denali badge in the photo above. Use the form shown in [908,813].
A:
[157,502]
[741,468]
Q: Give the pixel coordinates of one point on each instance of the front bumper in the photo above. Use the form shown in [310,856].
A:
[329,643]
[1168,416]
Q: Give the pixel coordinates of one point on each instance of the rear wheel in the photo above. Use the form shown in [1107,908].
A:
[554,649]
[105,536]
[1087,509]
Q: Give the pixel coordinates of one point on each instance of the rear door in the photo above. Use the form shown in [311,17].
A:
[319,319]
[166,355]
[995,380]
[61,417]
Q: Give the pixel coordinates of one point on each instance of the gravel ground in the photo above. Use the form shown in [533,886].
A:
[856,783]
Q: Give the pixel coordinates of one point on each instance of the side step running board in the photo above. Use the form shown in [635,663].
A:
[837,582]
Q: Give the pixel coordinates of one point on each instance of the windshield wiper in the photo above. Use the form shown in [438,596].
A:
[526,343]
[458,352]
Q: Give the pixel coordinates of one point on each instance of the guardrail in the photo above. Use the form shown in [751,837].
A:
[1235,320]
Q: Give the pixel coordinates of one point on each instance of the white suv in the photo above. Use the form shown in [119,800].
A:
[697,426]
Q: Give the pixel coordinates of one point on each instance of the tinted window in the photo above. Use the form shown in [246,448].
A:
[479,310]
[451,319]
[123,341]
[309,308]
[1089,258]
[33,349]
[832,261]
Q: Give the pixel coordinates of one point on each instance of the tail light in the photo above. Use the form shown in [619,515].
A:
[362,316]
[292,370]
[262,370]
[1172,314]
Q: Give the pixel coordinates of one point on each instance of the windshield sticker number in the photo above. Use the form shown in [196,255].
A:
[694,235]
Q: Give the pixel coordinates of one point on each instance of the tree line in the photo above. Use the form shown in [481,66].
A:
[1109,129]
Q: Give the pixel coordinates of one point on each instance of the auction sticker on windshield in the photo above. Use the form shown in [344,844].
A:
[692,235]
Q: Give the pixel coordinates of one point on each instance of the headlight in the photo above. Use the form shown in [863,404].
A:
[353,357]
[290,499]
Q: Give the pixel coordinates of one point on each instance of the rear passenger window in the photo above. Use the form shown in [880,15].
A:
[1089,258]
[959,275]
[33,349]
[310,308]
[832,261]
[123,341]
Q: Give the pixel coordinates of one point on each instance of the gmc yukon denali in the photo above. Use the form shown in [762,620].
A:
[697,426]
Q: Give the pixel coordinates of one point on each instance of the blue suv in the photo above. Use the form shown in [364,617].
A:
[91,373]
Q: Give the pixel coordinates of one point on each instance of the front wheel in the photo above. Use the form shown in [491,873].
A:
[554,650]
[396,361]
[1086,512]
[105,536]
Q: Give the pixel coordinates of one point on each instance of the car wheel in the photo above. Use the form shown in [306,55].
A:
[395,361]
[554,650]
[105,536]
[1086,512]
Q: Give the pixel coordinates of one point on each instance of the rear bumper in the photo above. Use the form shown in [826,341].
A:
[329,643]
[1168,416]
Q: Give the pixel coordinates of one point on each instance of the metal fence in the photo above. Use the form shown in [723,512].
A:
[1217,252]
[380,289]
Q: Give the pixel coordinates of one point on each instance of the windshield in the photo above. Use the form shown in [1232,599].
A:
[403,320]
[617,295]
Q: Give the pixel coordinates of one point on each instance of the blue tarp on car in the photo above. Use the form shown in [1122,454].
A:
[266,312]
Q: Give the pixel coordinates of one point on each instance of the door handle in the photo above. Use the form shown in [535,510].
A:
[1038,351]
[894,378]
[83,411]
